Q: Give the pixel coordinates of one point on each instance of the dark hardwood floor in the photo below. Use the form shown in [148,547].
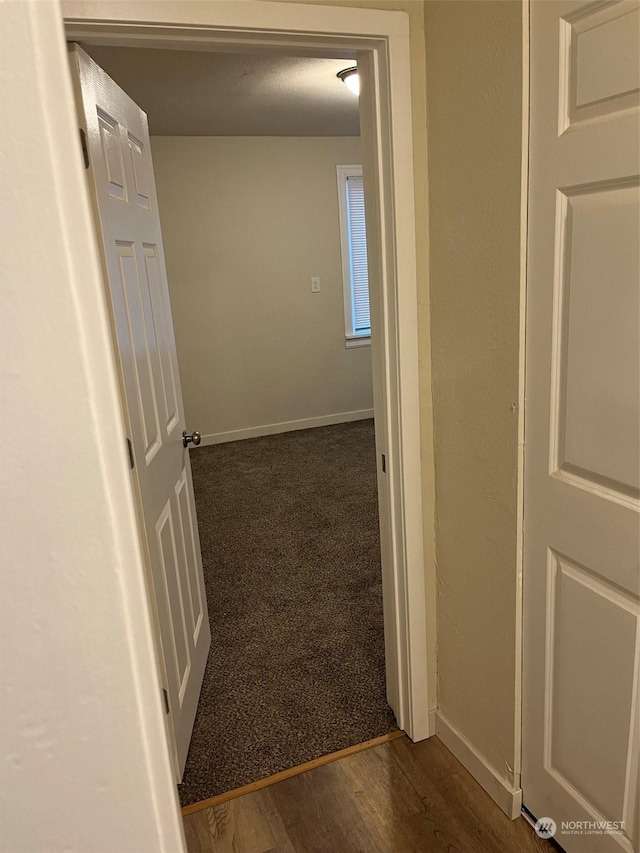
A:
[398,797]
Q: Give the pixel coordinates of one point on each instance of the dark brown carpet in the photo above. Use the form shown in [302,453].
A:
[291,552]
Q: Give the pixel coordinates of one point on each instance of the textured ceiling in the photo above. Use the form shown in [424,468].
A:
[193,93]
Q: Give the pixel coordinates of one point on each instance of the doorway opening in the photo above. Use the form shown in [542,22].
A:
[255,195]
[395,384]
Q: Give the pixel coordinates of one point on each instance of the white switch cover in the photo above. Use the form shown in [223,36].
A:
[315,284]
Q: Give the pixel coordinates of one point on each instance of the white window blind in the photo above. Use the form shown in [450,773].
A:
[359,273]
[353,241]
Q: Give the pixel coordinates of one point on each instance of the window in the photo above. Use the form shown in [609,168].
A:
[355,274]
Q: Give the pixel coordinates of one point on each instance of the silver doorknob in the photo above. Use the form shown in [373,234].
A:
[194,438]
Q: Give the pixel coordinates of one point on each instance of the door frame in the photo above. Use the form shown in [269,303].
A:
[379,40]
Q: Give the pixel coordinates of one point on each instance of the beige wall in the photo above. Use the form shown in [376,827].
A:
[470,54]
[246,222]
[474,94]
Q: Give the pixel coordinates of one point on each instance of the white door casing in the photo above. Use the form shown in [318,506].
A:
[581,709]
[380,40]
[120,175]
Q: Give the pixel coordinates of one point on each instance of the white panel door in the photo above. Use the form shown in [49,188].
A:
[122,184]
[582,438]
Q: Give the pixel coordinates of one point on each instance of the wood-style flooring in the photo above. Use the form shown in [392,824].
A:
[397,797]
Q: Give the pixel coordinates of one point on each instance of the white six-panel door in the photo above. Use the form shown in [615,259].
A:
[581,722]
[122,184]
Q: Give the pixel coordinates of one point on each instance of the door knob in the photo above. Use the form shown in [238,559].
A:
[194,438]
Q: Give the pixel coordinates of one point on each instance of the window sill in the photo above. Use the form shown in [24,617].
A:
[360,341]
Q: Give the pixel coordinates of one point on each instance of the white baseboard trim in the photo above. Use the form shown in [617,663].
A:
[286,426]
[499,789]
[432,721]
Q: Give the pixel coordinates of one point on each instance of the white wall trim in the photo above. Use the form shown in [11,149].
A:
[432,721]
[499,789]
[524,220]
[354,342]
[285,426]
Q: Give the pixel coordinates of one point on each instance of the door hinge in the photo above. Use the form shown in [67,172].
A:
[165,696]
[85,148]
[384,464]
[132,463]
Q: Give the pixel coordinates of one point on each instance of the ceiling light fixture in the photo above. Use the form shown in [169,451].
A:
[350,77]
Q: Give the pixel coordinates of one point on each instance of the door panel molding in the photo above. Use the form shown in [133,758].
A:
[581,638]
[127,224]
